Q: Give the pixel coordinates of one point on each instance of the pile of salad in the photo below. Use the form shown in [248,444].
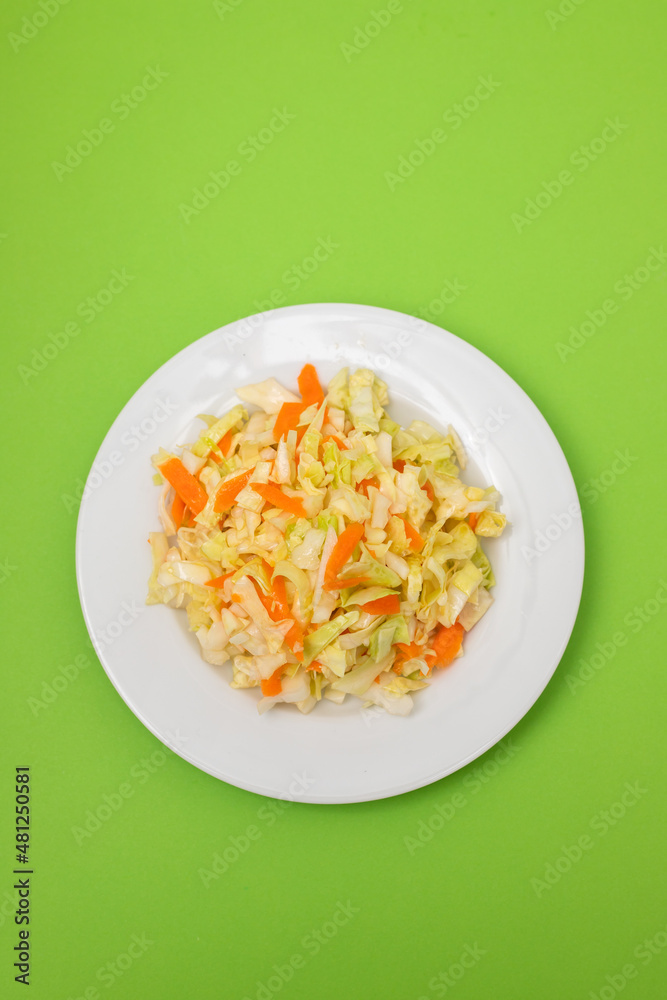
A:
[321,548]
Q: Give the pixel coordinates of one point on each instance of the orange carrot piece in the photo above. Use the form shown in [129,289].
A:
[428,489]
[342,550]
[276,602]
[230,489]
[267,601]
[399,464]
[287,419]
[316,666]
[294,637]
[364,484]
[309,386]
[472,520]
[415,540]
[278,609]
[280,598]
[334,437]
[446,645]
[272,685]
[189,489]
[275,496]
[219,581]
[225,442]
[389,605]
[354,581]
[410,649]
[177,511]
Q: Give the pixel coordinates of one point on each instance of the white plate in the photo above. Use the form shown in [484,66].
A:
[337,753]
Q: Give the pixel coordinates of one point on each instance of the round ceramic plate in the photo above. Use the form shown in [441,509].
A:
[338,753]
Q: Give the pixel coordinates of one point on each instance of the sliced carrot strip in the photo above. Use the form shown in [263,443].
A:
[279,595]
[230,489]
[446,645]
[342,550]
[225,442]
[415,540]
[294,637]
[274,495]
[189,489]
[272,685]
[278,609]
[219,581]
[399,464]
[334,437]
[309,386]
[364,484]
[411,649]
[177,511]
[389,605]
[472,520]
[354,581]
[287,419]
[428,489]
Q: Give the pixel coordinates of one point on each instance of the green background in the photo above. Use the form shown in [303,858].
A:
[480,880]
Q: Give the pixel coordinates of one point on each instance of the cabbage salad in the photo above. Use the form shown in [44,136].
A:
[319,547]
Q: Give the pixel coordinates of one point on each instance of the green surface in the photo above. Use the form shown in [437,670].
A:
[482,885]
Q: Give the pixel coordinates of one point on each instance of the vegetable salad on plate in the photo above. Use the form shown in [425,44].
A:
[321,549]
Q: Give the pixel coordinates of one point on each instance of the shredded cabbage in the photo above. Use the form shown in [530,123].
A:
[356,569]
